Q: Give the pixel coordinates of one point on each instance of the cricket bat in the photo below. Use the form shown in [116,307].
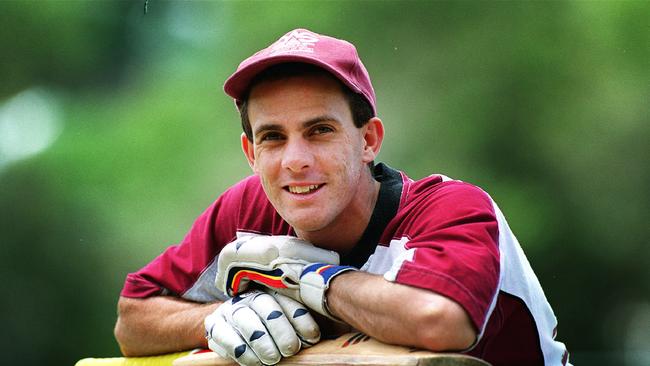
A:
[349,349]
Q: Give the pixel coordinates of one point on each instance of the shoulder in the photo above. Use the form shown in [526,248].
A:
[247,190]
[249,186]
[442,195]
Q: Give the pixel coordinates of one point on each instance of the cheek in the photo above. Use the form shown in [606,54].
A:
[267,179]
[261,161]
[348,164]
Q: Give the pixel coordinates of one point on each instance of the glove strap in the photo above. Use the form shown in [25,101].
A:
[314,283]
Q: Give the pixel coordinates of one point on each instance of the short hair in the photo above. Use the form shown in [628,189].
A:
[361,110]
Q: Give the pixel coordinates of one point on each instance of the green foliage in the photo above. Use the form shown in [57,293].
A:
[543,104]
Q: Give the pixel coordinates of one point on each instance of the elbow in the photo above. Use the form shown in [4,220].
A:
[121,339]
[121,336]
[123,329]
[445,326]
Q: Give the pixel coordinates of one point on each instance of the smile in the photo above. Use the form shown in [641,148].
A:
[303,189]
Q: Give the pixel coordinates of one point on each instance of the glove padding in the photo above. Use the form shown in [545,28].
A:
[273,261]
[260,327]
[279,263]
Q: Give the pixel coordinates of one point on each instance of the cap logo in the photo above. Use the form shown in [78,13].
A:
[296,41]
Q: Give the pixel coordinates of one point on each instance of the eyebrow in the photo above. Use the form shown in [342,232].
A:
[306,124]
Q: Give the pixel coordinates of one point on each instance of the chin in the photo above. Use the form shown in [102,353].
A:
[310,224]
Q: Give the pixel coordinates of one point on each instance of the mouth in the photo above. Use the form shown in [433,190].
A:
[303,189]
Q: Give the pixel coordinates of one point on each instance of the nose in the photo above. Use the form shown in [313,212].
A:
[296,155]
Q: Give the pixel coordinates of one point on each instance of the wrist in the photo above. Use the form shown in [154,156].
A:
[314,283]
[331,296]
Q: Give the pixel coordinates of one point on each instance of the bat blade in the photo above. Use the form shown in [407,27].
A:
[349,349]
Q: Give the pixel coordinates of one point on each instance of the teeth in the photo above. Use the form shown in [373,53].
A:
[302,189]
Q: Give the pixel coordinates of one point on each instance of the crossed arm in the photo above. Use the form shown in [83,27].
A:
[400,314]
[387,311]
[160,324]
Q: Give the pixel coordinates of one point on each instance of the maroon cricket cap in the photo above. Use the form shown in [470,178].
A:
[336,56]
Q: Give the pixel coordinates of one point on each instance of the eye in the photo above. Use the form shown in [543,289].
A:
[271,136]
[322,129]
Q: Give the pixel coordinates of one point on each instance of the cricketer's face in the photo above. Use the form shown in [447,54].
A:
[310,157]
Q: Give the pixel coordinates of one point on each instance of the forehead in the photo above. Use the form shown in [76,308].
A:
[312,83]
[299,97]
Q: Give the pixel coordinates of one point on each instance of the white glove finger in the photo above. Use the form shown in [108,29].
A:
[216,348]
[251,329]
[276,322]
[265,249]
[300,318]
[257,249]
[226,341]
[294,248]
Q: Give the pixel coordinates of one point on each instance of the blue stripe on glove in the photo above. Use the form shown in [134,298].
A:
[327,271]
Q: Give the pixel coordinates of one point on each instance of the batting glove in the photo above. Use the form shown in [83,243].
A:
[290,266]
[260,327]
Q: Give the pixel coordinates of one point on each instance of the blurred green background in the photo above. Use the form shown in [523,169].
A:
[115,135]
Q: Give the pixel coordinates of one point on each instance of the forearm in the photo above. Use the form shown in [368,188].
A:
[399,314]
[160,324]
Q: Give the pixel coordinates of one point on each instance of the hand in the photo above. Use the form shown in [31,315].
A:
[291,266]
[273,261]
[260,327]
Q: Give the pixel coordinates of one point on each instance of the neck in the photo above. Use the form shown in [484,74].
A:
[346,231]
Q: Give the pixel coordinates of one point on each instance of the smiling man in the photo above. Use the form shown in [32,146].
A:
[320,228]
[311,158]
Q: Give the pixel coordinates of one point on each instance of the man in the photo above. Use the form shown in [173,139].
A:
[439,267]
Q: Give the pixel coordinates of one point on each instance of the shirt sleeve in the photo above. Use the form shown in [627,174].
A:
[178,268]
[453,241]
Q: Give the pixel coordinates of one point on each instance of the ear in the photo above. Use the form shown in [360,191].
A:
[373,136]
[249,150]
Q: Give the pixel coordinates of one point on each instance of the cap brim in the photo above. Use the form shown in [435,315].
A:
[238,83]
